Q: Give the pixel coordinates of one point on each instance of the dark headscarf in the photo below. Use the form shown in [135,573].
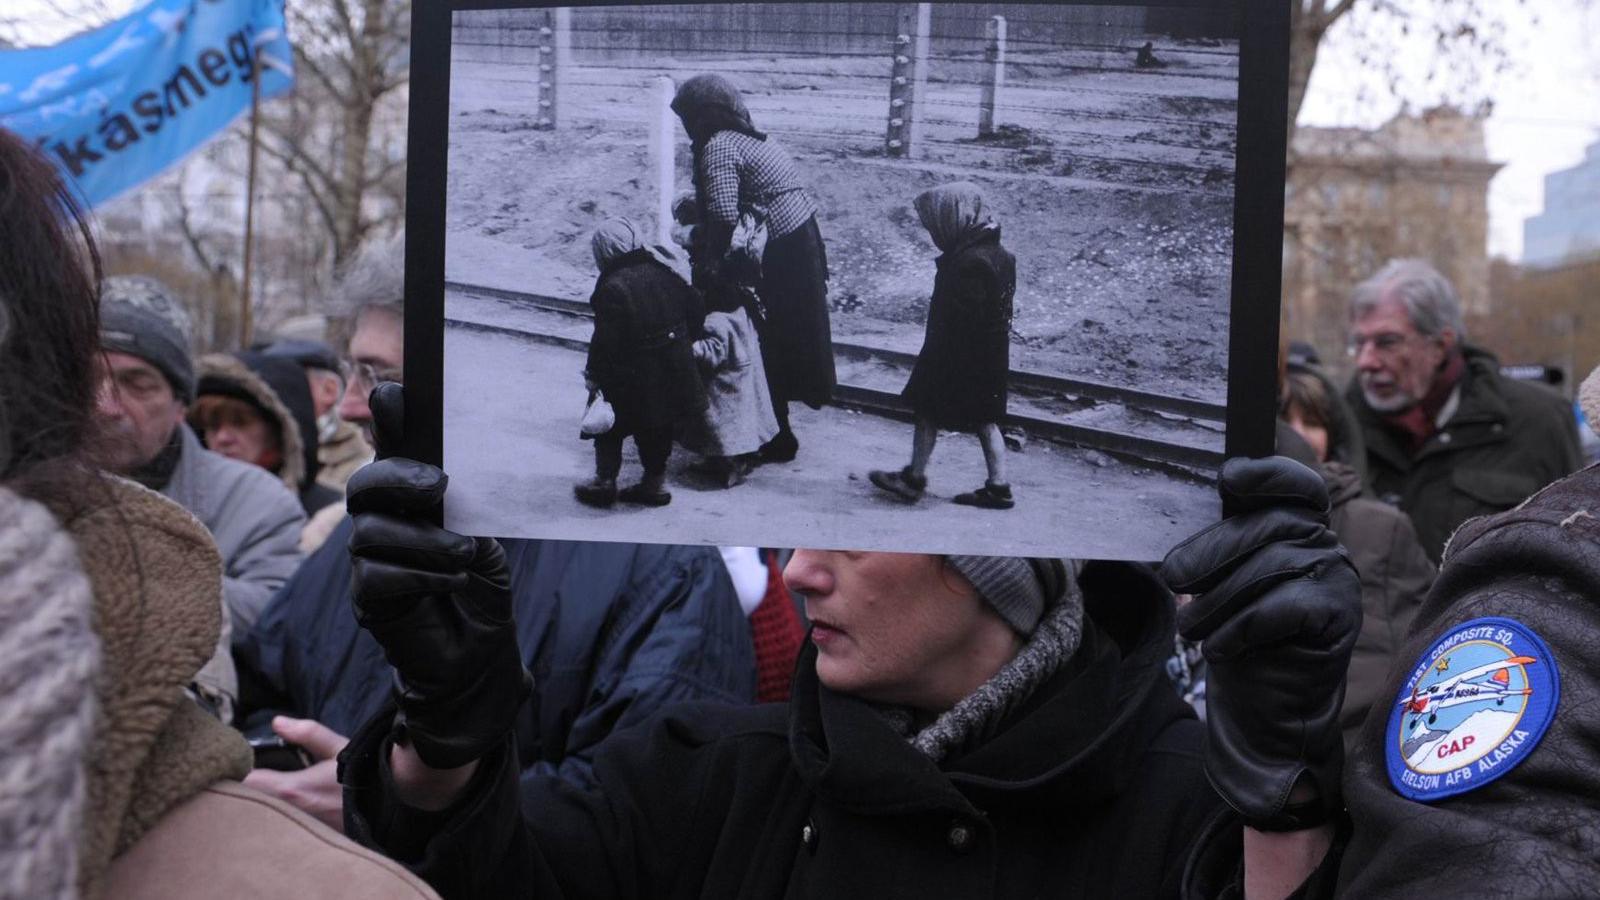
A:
[954,215]
[714,104]
[618,237]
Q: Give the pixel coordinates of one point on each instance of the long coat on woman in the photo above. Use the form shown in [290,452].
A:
[737,170]
[644,318]
[959,381]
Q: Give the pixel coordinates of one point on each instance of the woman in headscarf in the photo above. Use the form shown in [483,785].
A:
[737,169]
[640,360]
[960,380]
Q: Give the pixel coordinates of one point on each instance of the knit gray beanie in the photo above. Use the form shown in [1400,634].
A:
[1019,589]
[49,659]
[140,317]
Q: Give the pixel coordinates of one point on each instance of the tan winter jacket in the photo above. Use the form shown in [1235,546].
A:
[165,816]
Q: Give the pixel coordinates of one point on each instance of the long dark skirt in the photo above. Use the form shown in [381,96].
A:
[796,339]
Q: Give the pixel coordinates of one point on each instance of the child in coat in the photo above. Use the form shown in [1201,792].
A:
[739,417]
[960,379]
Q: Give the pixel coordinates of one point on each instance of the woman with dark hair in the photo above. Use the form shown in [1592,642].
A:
[1395,571]
[738,171]
[118,784]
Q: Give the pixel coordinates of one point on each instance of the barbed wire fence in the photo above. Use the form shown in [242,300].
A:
[1053,90]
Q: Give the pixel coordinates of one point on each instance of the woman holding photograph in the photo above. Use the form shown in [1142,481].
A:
[959,726]
[737,169]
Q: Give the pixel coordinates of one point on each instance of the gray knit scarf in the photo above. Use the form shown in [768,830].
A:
[49,659]
[978,716]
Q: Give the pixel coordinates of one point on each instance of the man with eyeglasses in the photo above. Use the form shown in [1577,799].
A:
[613,632]
[147,383]
[1447,438]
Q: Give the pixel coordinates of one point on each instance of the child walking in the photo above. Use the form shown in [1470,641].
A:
[739,417]
[959,382]
[639,359]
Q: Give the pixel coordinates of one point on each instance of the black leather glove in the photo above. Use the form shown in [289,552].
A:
[438,602]
[1277,610]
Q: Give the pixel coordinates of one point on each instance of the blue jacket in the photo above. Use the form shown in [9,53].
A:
[611,632]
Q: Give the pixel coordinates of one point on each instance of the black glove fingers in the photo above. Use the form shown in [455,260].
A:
[1247,485]
[1204,560]
[411,543]
[397,486]
[1252,578]
[384,592]
[1296,614]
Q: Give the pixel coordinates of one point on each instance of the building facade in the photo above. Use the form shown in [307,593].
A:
[1416,187]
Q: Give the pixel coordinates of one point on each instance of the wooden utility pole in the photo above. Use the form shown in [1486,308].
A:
[663,154]
[994,59]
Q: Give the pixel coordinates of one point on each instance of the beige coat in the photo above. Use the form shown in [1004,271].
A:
[165,816]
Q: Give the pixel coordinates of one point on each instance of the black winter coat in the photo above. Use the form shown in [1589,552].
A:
[1093,788]
[1532,832]
[645,318]
[1506,440]
[613,633]
[960,379]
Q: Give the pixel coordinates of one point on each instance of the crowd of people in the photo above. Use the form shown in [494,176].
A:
[239,656]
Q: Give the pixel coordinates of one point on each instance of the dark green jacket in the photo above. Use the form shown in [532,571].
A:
[1506,440]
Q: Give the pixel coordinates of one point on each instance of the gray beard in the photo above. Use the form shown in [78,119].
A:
[1394,403]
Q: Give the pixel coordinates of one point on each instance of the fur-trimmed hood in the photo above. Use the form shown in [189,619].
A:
[234,376]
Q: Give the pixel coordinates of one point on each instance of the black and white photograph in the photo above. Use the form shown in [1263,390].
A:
[919,277]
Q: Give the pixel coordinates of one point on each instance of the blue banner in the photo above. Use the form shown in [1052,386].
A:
[116,106]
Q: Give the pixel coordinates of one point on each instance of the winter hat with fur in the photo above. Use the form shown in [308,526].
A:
[1019,589]
[49,659]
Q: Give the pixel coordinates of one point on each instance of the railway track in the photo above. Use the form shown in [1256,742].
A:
[1176,434]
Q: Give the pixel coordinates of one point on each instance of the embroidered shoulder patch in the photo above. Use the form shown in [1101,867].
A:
[1474,706]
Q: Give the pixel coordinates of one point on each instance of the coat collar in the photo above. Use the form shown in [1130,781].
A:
[1481,404]
[978,239]
[1066,746]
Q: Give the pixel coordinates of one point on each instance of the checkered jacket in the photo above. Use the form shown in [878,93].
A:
[738,170]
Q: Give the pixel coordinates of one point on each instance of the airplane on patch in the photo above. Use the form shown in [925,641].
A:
[1464,688]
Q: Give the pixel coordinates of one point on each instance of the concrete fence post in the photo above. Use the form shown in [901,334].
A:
[994,65]
[554,46]
[663,153]
[908,79]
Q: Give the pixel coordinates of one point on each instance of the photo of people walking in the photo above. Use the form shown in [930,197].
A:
[991,243]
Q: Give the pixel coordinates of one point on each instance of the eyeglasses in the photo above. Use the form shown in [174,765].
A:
[368,375]
[1385,343]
